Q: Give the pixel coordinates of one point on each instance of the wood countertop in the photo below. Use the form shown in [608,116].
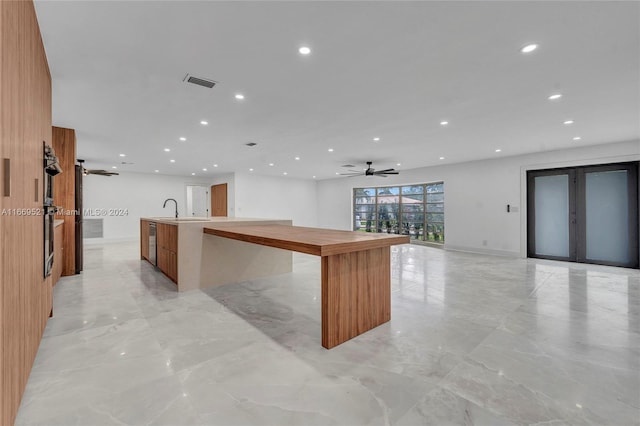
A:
[207,220]
[315,241]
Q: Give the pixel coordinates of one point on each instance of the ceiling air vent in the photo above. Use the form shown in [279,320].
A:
[251,144]
[204,82]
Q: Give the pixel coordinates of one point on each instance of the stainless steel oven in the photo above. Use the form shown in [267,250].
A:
[51,168]
[49,217]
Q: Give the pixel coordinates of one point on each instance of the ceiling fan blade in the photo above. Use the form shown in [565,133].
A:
[388,173]
[101,173]
[385,171]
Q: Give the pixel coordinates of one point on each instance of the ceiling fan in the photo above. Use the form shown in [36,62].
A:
[86,172]
[370,171]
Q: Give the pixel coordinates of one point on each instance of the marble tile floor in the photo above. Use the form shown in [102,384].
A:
[473,340]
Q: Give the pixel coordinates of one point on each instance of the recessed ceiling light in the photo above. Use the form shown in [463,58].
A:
[157,171]
[204,123]
[172,161]
[577,138]
[193,174]
[398,164]
[113,167]
[284,173]
[376,139]
[330,150]
[239,96]
[304,50]
[568,122]
[529,48]
[498,150]
[215,165]
[271,164]
[337,173]
[555,96]
[204,170]
[444,123]
[167,150]
[250,170]
[297,158]
[314,177]
[182,138]
[442,158]
[123,155]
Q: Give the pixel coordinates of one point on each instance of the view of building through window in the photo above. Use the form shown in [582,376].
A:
[414,210]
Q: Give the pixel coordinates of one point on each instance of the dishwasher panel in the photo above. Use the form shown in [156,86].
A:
[152,244]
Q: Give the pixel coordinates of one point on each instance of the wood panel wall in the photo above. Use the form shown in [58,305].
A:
[64,192]
[25,122]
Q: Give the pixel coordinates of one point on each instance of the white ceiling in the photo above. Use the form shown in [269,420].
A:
[391,70]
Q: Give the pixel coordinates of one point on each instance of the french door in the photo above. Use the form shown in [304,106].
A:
[584,214]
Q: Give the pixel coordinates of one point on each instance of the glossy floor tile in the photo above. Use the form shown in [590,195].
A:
[473,340]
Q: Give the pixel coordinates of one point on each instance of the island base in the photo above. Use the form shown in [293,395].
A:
[356,294]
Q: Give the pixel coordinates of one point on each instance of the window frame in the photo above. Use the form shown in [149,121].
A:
[397,225]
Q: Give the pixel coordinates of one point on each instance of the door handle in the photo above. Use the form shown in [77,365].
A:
[6,171]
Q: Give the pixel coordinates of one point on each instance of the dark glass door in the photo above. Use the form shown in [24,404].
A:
[584,214]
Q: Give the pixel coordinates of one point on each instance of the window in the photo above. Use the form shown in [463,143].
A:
[414,210]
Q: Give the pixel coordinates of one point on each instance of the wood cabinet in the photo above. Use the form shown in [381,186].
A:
[144,239]
[25,123]
[64,192]
[166,247]
[167,250]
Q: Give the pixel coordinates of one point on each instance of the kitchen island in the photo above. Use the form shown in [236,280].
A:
[192,261]
[355,268]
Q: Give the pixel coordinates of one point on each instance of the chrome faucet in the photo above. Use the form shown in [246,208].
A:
[171,199]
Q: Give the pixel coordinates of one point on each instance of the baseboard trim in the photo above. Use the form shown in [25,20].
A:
[477,250]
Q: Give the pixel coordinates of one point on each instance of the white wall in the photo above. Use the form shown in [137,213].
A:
[141,194]
[476,195]
[272,197]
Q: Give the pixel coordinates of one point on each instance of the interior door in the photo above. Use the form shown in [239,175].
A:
[219,200]
[584,214]
[551,211]
[197,200]
[608,225]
